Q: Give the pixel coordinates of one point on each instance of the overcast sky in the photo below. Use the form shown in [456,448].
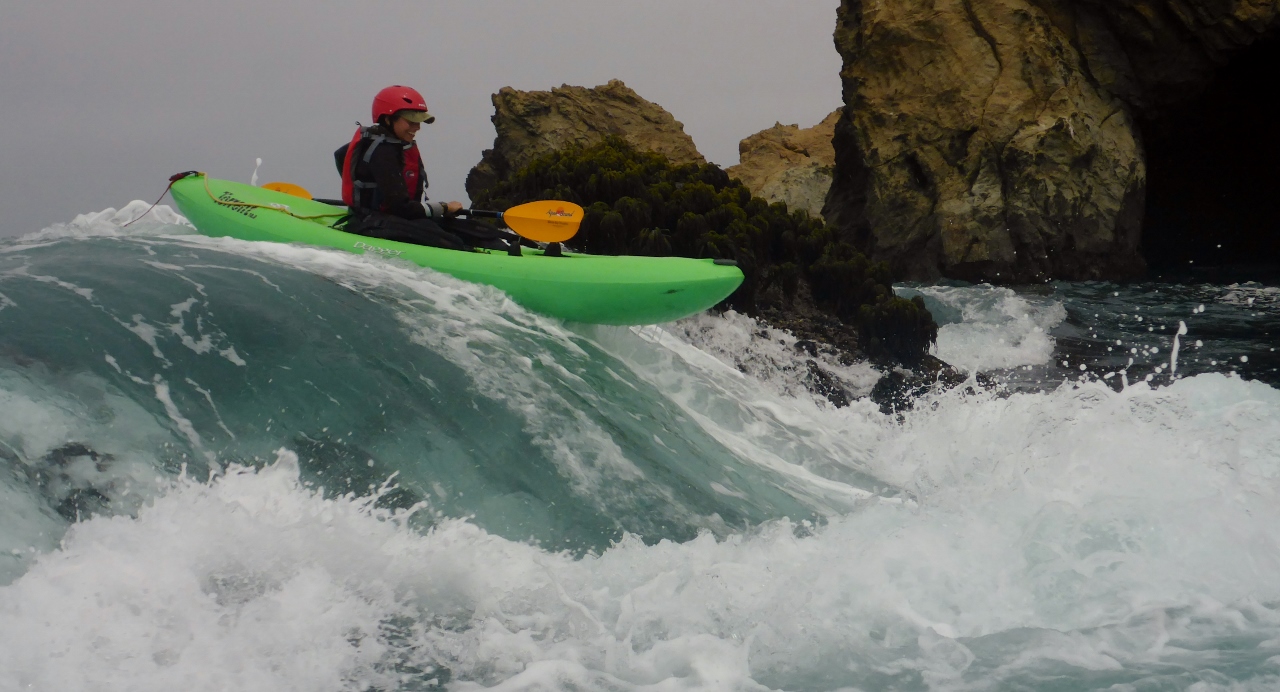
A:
[100,101]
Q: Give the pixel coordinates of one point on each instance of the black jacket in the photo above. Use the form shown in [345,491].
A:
[385,169]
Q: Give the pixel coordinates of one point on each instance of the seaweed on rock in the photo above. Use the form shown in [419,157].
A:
[639,203]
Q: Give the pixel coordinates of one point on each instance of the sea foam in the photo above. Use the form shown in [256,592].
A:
[1080,530]
[983,540]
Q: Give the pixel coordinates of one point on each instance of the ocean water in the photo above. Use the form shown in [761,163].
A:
[228,465]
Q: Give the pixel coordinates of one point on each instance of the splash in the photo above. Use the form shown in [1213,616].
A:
[593,507]
[988,328]
[1109,539]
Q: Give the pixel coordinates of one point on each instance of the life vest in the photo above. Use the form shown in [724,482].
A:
[363,194]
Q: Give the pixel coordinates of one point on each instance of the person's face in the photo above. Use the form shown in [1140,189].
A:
[405,130]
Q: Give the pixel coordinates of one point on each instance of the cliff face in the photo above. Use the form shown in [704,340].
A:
[786,163]
[533,123]
[996,140]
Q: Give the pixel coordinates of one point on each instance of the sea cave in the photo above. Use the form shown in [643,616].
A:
[1213,170]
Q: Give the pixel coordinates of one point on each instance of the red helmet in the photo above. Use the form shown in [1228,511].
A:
[400,98]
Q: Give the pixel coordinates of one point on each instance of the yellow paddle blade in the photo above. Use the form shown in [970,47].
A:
[549,221]
[289,189]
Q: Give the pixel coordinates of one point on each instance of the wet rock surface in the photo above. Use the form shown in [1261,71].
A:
[818,333]
[996,140]
[532,123]
[790,164]
[73,478]
[899,388]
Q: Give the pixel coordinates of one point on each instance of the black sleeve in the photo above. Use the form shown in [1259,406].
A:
[340,156]
[386,167]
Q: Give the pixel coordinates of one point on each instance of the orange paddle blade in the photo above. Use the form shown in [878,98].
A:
[289,189]
[549,221]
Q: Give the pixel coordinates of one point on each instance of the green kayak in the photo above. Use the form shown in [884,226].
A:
[597,289]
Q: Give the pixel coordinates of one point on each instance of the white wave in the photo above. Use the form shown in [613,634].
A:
[763,415]
[111,222]
[49,421]
[532,364]
[1080,532]
[527,361]
[30,527]
[1250,294]
[1077,531]
[993,327]
[770,356]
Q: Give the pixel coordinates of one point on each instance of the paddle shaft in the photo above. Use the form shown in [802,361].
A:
[546,221]
[481,213]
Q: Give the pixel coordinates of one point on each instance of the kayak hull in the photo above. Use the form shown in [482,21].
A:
[598,289]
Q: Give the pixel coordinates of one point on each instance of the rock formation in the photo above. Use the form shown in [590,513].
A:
[532,123]
[998,139]
[837,299]
[788,164]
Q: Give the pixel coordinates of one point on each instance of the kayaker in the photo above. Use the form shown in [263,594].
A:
[384,182]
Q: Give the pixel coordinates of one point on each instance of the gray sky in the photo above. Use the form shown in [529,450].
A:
[100,101]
